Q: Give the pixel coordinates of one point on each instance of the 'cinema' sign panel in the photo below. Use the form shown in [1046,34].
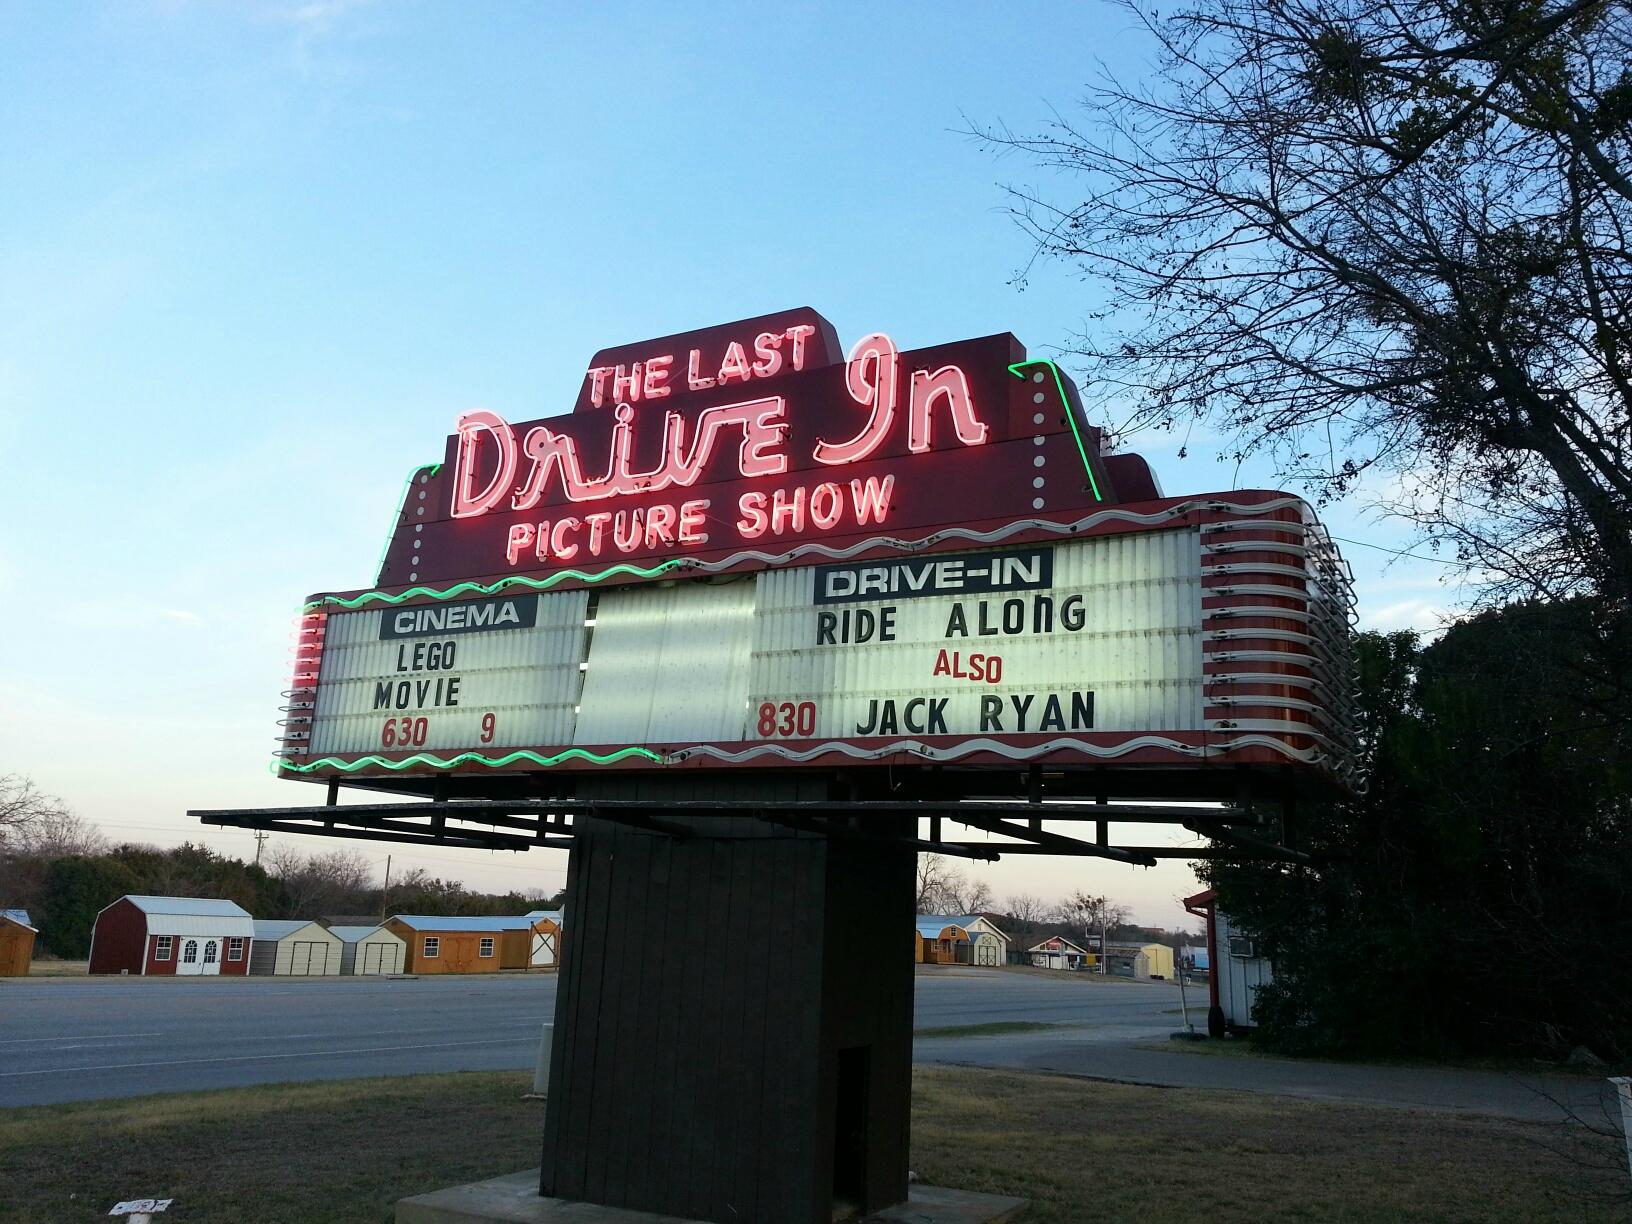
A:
[744,548]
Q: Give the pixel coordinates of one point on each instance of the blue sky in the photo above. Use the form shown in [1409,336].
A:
[255,257]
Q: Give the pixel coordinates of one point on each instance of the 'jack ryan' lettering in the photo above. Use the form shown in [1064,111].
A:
[871,378]
[1016,712]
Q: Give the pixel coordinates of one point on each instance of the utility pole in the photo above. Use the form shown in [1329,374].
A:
[385,892]
[260,840]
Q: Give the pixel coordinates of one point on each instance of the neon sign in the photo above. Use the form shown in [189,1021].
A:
[731,438]
[548,462]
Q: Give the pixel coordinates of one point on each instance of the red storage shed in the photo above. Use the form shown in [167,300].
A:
[185,936]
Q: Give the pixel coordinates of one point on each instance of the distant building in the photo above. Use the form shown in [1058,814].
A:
[370,951]
[1058,952]
[16,943]
[439,944]
[940,940]
[1236,971]
[183,936]
[1141,961]
[295,948]
[547,931]
[987,942]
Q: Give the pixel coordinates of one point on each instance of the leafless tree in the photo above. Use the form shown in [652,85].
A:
[934,874]
[1384,234]
[967,894]
[24,808]
[335,882]
[1092,917]
[61,832]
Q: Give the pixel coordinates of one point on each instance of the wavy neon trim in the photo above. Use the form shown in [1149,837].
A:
[490,588]
[1070,417]
[426,758]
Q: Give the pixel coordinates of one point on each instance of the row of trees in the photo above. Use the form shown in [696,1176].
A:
[63,871]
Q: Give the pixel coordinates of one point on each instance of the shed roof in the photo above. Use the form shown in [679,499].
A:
[190,907]
[554,915]
[17,915]
[282,928]
[1043,947]
[969,920]
[351,934]
[930,926]
[441,922]
[206,917]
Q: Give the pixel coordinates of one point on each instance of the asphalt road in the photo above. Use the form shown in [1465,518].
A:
[83,1039]
[79,1039]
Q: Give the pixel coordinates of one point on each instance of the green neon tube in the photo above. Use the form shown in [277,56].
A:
[490,588]
[1070,416]
[430,469]
[426,758]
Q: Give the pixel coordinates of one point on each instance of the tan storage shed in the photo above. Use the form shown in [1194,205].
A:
[295,948]
[16,943]
[370,951]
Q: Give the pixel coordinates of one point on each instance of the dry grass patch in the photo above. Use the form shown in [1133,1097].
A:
[1083,1150]
[327,1153]
[348,1150]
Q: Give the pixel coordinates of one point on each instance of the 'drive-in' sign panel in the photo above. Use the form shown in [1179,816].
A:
[1088,635]
[465,674]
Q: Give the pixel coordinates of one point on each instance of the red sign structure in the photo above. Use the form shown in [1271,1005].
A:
[760,445]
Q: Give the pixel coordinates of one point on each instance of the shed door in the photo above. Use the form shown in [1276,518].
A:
[543,948]
[210,957]
[986,952]
[189,964]
[371,958]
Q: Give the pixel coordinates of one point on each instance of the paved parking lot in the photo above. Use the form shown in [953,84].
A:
[78,1039]
[87,1038]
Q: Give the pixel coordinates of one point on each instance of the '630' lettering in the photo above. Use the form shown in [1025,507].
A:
[778,719]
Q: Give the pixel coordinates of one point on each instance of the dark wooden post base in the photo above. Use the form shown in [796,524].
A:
[733,1029]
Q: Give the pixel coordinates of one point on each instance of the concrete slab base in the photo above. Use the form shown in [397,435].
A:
[514,1199]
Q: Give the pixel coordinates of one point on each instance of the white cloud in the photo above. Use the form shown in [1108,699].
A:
[1419,614]
[184,616]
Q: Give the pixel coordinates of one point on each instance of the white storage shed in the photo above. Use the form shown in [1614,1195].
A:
[295,948]
[370,951]
[989,945]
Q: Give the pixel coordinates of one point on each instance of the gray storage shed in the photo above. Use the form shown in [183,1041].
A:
[369,950]
[295,947]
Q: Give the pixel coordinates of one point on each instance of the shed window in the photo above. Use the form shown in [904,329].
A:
[164,947]
[189,952]
[486,948]
[209,951]
[235,948]
[433,946]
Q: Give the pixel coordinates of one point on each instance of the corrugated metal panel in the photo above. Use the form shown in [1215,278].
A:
[668,664]
[438,922]
[1239,977]
[277,928]
[1138,650]
[181,924]
[263,957]
[527,678]
[187,905]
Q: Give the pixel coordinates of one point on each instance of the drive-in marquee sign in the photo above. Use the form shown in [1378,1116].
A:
[744,548]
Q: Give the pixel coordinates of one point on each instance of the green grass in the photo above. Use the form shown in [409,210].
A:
[346,1151]
[984,1030]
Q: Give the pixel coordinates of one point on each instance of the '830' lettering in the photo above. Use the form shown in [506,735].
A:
[779,719]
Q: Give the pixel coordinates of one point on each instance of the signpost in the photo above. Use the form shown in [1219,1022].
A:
[747,628]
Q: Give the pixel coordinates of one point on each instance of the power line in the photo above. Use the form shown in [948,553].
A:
[1398,552]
